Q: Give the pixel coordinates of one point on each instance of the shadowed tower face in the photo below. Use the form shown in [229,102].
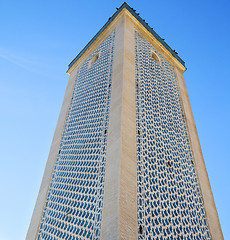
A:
[125,161]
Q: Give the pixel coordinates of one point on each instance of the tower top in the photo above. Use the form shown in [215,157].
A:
[141,21]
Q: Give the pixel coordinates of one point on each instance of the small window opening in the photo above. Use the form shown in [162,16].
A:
[137,85]
[94,59]
[59,151]
[182,114]
[169,164]
[138,131]
[151,68]
[46,203]
[155,57]
[140,229]
[192,162]
[110,85]
[105,131]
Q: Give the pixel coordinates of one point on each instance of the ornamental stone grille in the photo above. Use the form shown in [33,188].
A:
[125,161]
[75,197]
[169,200]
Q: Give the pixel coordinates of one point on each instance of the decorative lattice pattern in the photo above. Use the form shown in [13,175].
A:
[75,198]
[169,199]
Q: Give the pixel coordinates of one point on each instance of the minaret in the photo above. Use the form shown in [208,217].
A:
[125,161]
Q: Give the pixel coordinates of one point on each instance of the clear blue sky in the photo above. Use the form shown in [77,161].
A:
[38,39]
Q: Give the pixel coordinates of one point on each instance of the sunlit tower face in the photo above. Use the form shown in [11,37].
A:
[125,161]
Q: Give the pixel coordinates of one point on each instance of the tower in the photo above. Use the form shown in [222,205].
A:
[125,161]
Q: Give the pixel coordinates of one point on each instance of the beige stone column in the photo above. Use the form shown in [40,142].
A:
[128,172]
[41,199]
[119,215]
[208,200]
[110,212]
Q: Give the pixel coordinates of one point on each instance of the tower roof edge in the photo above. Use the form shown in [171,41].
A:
[142,21]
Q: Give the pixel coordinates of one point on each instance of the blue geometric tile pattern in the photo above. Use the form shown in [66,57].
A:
[75,198]
[170,204]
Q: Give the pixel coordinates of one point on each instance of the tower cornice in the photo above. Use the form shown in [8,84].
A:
[143,26]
